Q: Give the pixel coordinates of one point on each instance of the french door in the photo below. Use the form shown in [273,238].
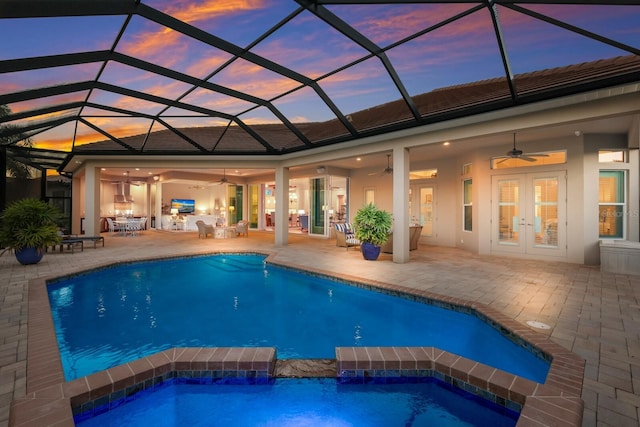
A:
[529,213]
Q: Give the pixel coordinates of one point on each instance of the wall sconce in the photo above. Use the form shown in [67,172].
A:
[156,178]
[321,170]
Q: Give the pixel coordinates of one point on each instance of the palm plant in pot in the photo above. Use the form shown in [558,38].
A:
[372,227]
[28,226]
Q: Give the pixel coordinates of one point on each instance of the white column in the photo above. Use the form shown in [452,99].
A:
[282,207]
[76,205]
[401,215]
[158,207]
[92,201]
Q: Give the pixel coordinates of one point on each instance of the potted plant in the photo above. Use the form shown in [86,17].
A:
[372,227]
[28,226]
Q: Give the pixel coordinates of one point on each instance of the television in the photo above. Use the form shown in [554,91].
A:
[184,206]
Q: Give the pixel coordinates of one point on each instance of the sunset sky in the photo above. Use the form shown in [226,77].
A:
[460,52]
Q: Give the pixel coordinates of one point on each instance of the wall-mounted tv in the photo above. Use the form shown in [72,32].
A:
[184,206]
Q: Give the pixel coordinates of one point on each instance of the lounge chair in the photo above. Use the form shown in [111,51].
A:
[204,229]
[93,239]
[67,241]
[345,236]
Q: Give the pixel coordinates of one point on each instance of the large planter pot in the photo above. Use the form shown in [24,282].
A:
[370,252]
[26,256]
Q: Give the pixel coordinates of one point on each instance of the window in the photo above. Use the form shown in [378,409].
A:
[612,156]
[467,208]
[612,204]
[369,195]
[423,174]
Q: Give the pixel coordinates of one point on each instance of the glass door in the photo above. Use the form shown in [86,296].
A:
[529,213]
[318,206]
[427,214]
[254,205]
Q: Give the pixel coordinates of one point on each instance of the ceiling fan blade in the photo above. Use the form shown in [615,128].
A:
[386,170]
[504,159]
[526,158]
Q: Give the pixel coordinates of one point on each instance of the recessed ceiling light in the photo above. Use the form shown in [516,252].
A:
[446,143]
[358,159]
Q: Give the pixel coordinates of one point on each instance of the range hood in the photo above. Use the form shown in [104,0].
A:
[123,193]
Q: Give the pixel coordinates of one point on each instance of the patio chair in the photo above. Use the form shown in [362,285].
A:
[113,227]
[345,236]
[242,227]
[204,229]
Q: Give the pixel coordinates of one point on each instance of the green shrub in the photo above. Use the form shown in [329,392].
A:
[372,225]
[29,223]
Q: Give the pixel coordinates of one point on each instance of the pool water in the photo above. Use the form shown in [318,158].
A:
[112,316]
[305,402]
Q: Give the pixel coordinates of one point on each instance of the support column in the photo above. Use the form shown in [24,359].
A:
[92,201]
[158,206]
[282,204]
[401,214]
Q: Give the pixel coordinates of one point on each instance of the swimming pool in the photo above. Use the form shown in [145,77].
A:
[303,402]
[108,317]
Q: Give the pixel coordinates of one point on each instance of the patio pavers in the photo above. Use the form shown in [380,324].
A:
[594,314]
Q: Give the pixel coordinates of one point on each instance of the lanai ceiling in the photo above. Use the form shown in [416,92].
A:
[265,77]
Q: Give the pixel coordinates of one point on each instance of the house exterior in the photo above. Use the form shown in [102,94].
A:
[474,197]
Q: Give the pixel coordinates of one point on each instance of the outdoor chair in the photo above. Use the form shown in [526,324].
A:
[242,227]
[204,229]
[113,227]
[345,236]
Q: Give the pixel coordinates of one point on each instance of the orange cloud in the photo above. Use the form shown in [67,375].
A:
[160,42]
[193,11]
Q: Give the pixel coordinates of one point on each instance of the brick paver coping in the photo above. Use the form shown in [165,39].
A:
[55,405]
[539,404]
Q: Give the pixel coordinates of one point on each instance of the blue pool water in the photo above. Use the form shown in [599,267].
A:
[108,317]
[306,402]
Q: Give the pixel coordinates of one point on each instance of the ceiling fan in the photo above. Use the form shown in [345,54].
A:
[516,153]
[387,170]
[224,179]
